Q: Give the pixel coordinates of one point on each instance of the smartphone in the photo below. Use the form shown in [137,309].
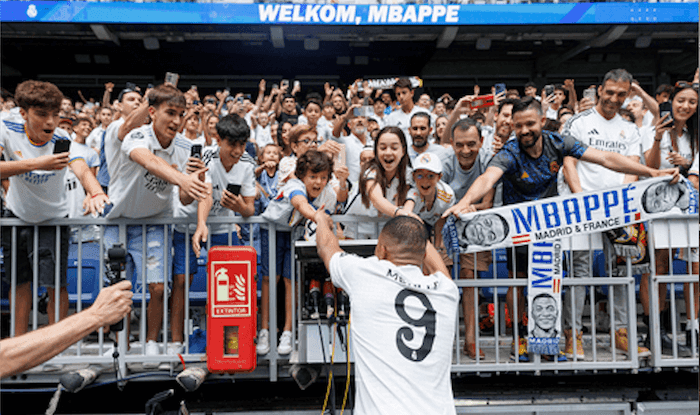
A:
[150,86]
[548,90]
[61,146]
[275,86]
[590,93]
[340,158]
[499,88]
[666,108]
[284,83]
[482,101]
[239,100]
[193,87]
[297,84]
[196,151]
[172,78]
[234,189]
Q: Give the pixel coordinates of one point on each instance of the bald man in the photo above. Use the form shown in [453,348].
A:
[402,321]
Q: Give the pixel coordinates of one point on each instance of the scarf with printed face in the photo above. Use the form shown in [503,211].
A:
[619,211]
[545,261]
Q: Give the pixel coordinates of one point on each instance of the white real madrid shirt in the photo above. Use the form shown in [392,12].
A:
[113,154]
[241,173]
[136,192]
[402,332]
[617,135]
[37,195]
[74,189]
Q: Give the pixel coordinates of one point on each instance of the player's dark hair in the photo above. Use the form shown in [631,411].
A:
[166,94]
[233,129]
[406,233]
[315,162]
[38,94]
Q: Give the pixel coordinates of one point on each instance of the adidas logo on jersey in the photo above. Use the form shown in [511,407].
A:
[593,132]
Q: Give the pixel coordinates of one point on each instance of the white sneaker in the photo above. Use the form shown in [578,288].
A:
[285,346]
[174,349]
[152,349]
[263,346]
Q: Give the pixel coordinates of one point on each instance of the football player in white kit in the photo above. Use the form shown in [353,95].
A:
[402,321]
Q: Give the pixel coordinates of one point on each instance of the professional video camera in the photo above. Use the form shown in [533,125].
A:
[116,263]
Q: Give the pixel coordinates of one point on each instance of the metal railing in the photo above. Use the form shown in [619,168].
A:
[675,232]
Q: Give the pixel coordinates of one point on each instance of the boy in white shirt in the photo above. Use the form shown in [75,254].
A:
[37,193]
[142,183]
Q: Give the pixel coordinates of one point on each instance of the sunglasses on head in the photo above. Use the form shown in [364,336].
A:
[683,84]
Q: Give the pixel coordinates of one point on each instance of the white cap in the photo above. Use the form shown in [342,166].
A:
[428,161]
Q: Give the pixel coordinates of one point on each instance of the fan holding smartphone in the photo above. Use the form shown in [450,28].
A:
[231,176]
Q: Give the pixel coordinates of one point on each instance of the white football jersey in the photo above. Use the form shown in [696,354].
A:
[74,189]
[136,192]
[37,195]
[617,135]
[113,154]
[402,332]
[444,199]
[242,173]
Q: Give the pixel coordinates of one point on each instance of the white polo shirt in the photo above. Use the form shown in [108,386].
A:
[37,195]
[135,192]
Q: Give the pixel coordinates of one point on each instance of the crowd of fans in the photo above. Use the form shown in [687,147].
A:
[158,152]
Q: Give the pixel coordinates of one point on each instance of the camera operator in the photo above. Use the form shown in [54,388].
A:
[21,353]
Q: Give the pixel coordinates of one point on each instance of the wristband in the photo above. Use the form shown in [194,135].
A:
[397,209]
[96,195]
